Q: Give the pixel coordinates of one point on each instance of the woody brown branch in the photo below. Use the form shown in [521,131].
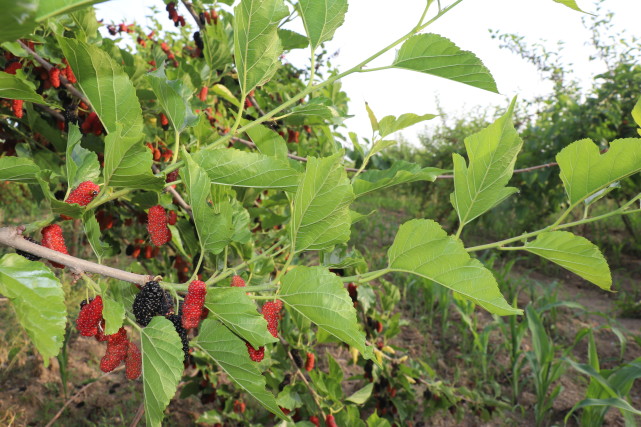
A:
[48,67]
[11,236]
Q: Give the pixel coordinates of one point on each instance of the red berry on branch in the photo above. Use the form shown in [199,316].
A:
[52,238]
[164,122]
[309,363]
[379,327]
[12,67]
[237,282]
[89,317]
[255,355]
[117,347]
[239,406]
[133,362]
[16,106]
[271,313]
[193,306]
[314,420]
[172,217]
[202,95]
[54,77]
[329,420]
[157,225]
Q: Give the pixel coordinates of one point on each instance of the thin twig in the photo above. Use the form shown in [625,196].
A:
[255,104]
[48,67]
[138,417]
[192,11]
[78,393]
[176,195]
[302,376]
[51,112]
[11,236]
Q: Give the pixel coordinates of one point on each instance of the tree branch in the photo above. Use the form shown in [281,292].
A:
[12,236]
[192,11]
[48,67]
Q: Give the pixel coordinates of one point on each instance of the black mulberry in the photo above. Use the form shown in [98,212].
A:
[151,301]
[29,256]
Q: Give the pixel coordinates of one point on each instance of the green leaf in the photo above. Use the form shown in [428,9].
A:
[226,94]
[482,185]
[574,253]
[316,111]
[13,87]
[360,396]
[268,142]
[217,51]
[320,297]
[230,353]
[320,217]
[570,3]
[292,40]
[215,229]
[372,118]
[240,222]
[238,312]
[19,169]
[39,301]
[18,19]
[128,163]
[614,402]
[401,172]
[390,124]
[173,97]
[636,113]
[82,164]
[50,8]
[162,367]
[107,86]
[246,169]
[92,230]
[423,248]
[57,206]
[113,313]
[584,171]
[322,18]
[257,47]
[438,56]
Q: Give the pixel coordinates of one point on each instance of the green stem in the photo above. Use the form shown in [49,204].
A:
[239,116]
[501,243]
[385,67]
[460,229]
[102,200]
[366,277]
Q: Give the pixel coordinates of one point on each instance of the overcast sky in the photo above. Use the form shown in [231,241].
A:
[373,24]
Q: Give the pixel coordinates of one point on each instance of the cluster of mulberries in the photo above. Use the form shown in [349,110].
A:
[173,15]
[90,323]
[157,225]
[92,124]
[271,313]
[52,238]
[29,256]
[151,301]
[194,301]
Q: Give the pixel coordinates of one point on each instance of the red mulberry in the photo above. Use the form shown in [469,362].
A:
[16,107]
[52,238]
[193,306]
[54,77]
[329,420]
[157,225]
[271,313]
[164,122]
[255,355]
[202,95]
[314,420]
[172,217]
[237,282]
[89,317]
[117,347]
[133,362]
[309,363]
[12,67]
[83,194]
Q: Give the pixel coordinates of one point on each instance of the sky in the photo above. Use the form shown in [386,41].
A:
[372,24]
